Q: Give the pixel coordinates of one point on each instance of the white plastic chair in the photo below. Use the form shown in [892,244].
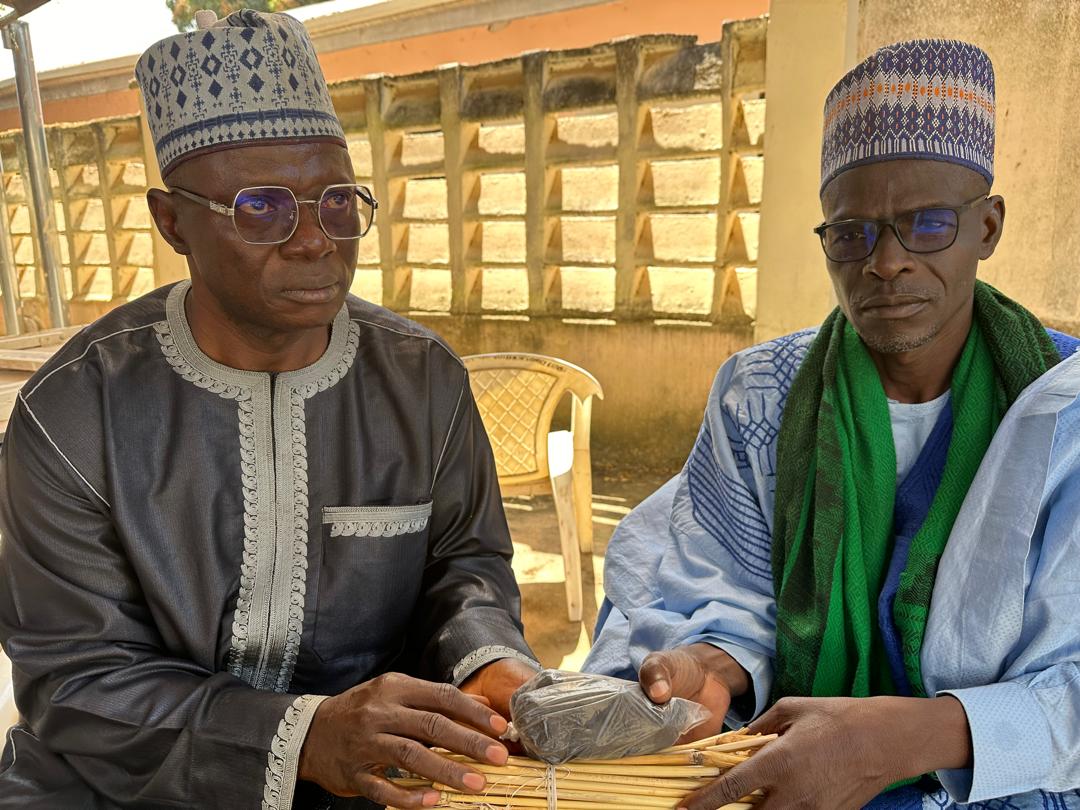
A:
[517,395]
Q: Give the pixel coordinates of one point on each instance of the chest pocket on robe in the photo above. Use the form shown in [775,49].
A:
[376,521]
[372,567]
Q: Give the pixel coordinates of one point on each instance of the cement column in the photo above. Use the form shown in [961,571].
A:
[632,296]
[545,283]
[396,290]
[811,44]
[465,278]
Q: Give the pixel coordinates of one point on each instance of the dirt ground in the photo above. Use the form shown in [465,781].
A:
[539,568]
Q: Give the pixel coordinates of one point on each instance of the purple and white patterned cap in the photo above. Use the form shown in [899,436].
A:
[928,99]
[246,79]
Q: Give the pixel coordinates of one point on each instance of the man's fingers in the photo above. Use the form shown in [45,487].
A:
[434,729]
[740,781]
[655,677]
[450,701]
[777,719]
[413,757]
[384,792]
[766,724]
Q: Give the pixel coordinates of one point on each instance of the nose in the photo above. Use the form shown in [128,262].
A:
[889,258]
[309,241]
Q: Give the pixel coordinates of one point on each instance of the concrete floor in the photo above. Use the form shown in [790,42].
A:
[539,568]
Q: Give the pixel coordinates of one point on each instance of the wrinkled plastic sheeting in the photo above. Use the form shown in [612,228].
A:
[559,716]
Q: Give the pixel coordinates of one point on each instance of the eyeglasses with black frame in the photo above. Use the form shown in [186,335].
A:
[269,215]
[923,230]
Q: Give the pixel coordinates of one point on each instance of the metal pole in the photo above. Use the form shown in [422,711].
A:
[17,40]
[9,284]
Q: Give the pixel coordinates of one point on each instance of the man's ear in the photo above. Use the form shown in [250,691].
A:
[163,209]
[993,222]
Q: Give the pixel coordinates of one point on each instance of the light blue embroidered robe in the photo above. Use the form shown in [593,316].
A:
[693,563]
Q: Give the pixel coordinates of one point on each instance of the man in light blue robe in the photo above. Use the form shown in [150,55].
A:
[692,584]
[692,564]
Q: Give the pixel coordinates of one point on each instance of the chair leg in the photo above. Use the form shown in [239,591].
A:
[580,429]
[582,472]
[562,490]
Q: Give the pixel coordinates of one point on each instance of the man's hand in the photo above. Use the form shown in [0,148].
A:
[839,753]
[497,681]
[698,672]
[389,721]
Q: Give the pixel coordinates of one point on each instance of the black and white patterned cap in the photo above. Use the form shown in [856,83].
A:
[249,78]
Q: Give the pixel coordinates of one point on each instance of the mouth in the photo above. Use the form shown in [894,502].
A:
[314,294]
[893,307]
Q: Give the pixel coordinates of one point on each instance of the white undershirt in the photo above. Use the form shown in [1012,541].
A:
[912,424]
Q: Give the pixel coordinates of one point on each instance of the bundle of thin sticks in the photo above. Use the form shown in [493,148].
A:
[654,782]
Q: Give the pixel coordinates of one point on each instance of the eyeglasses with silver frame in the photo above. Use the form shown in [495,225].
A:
[269,215]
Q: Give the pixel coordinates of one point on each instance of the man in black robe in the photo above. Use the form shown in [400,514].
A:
[237,511]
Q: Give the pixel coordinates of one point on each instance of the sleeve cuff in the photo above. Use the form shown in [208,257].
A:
[758,666]
[456,650]
[283,760]
[1010,743]
[485,655]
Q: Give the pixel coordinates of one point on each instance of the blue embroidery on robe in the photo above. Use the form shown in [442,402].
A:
[773,365]
[727,508]
[770,369]
[915,798]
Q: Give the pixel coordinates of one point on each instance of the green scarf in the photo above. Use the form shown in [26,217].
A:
[835,486]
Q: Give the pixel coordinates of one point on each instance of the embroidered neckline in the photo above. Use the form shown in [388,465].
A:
[319,372]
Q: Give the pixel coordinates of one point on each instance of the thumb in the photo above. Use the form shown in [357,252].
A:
[655,677]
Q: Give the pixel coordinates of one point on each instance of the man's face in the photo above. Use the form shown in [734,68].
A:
[898,300]
[298,284]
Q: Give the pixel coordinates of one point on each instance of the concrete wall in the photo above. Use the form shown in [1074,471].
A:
[78,93]
[598,204]
[656,378]
[402,51]
[813,40]
[1037,64]
[387,39]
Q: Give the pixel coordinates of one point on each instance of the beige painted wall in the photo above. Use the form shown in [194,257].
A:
[1033,44]
[656,379]
[811,44]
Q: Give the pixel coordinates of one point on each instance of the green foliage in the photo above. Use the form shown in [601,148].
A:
[183,11]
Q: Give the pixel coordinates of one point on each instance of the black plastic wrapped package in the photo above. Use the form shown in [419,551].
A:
[559,716]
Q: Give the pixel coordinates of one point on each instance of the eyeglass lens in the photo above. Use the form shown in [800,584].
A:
[924,231]
[268,214]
